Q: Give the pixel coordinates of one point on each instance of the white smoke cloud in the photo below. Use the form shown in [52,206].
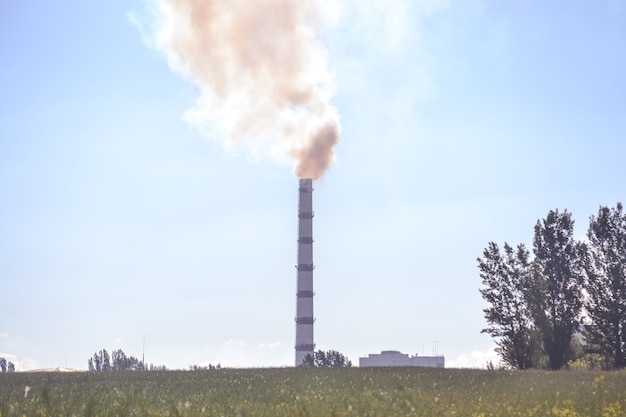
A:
[388,25]
[261,71]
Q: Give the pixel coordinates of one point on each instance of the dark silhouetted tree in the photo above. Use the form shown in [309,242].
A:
[100,361]
[106,360]
[556,284]
[6,366]
[121,362]
[505,279]
[328,359]
[94,363]
[309,360]
[605,284]
[118,361]
[204,367]
[337,360]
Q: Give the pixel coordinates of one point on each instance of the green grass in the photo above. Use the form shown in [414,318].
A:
[316,392]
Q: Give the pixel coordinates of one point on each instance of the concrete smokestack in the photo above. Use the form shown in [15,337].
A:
[304,296]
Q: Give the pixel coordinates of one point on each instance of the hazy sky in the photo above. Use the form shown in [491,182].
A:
[462,122]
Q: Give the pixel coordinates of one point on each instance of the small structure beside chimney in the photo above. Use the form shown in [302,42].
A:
[395,358]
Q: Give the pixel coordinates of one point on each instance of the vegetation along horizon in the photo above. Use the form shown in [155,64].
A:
[316,392]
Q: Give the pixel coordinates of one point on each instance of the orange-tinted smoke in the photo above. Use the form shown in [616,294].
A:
[314,158]
[261,72]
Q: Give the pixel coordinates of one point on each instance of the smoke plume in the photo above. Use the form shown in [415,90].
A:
[261,72]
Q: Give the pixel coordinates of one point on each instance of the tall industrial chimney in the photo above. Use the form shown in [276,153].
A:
[304,296]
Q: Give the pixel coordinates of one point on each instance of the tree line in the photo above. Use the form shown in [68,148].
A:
[327,359]
[564,304]
[118,361]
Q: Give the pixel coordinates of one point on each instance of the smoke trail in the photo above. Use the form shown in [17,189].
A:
[261,71]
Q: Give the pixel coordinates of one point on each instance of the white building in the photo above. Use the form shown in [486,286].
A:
[395,358]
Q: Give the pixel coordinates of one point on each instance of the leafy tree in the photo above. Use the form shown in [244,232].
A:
[328,359]
[605,283]
[309,360]
[556,288]
[106,360]
[118,361]
[505,277]
[204,368]
[121,362]
[338,360]
[93,365]
[6,366]
[100,361]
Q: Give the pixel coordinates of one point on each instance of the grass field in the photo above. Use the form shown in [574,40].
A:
[315,392]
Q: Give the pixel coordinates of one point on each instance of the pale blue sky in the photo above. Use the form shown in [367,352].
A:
[463,122]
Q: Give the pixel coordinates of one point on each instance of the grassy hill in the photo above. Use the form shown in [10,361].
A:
[315,392]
